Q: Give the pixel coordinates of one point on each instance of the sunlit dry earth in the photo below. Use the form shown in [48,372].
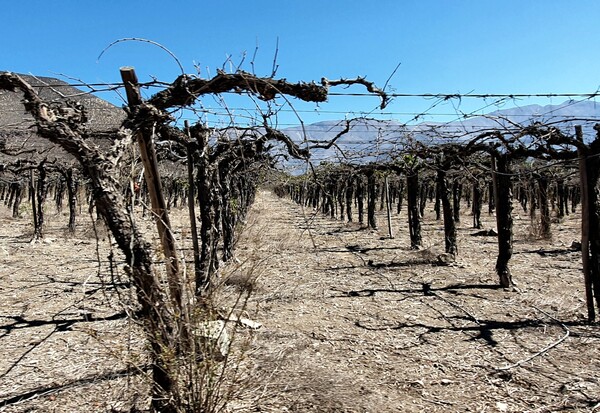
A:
[352,321]
[350,327]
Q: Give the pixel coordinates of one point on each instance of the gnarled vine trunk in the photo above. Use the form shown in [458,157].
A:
[414,217]
[504,220]
[372,192]
[450,243]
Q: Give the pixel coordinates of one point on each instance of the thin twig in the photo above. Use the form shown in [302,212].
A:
[392,75]
[275,65]
[139,39]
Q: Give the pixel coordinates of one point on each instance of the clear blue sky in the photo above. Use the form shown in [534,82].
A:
[452,46]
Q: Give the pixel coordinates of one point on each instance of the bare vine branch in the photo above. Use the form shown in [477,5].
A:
[359,81]
[185,90]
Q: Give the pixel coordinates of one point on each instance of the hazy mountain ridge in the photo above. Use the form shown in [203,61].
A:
[369,136]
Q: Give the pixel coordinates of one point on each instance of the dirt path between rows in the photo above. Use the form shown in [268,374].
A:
[352,321]
[356,322]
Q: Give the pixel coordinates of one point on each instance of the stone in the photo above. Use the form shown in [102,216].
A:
[575,246]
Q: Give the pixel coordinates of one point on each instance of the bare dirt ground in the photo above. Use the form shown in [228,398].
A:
[352,321]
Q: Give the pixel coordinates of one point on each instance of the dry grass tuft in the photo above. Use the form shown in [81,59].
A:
[242,282]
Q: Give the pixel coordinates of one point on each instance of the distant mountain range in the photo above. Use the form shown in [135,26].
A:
[371,140]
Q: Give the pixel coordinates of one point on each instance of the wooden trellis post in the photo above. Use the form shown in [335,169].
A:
[157,200]
[191,203]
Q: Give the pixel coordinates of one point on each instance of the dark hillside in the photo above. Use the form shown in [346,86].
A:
[17,132]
